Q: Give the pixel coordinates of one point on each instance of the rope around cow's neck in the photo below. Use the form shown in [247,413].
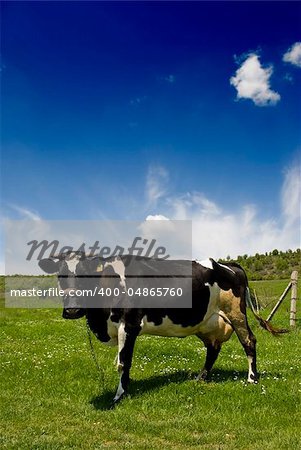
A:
[99,369]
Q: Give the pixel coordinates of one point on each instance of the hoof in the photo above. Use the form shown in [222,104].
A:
[202,376]
[253,379]
[116,400]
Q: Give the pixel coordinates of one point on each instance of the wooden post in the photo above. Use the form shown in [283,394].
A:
[279,301]
[294,280]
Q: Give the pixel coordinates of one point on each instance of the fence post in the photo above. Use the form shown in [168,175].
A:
[294,279]
[288,287]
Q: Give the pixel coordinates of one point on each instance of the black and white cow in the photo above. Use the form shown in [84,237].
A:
[219,297]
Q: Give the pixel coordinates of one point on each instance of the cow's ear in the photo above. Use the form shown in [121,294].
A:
[48,265]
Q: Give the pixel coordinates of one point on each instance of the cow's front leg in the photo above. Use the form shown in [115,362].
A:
[121,341]
[211,356]
[125,356]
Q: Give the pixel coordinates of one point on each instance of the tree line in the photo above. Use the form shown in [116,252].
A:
[272,265]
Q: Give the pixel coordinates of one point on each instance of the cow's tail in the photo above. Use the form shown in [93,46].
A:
[263,323]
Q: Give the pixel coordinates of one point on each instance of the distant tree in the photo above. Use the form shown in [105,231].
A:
[281,264]
[258,265]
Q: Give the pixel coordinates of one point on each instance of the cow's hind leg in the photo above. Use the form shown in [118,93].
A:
[211,356]
[250,350]
[125,361]
[235,309]
[248,341]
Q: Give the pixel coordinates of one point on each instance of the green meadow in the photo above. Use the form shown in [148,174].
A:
[54,397]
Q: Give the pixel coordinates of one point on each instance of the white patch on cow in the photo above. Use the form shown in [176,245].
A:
[168,328]
[226,267]
[119,268]
[121,341]
[72,262]
[119,392]
[205,263]
[251,374]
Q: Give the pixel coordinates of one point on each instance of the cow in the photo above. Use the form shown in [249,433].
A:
[219,297]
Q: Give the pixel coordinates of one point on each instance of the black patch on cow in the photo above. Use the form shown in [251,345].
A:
[185,317]
[97,322]
[240,284]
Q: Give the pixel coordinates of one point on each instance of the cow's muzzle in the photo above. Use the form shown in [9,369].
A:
[73,308]
[73,313]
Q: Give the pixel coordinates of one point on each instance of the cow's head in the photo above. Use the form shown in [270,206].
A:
[73,270]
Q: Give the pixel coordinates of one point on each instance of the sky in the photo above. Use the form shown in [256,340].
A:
[135,110]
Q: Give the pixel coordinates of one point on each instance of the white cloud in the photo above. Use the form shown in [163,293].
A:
[218,232]
[291,195]
[26,213]
[156,224]
[252,81]
[174,235]
[293,55]
[157,217]
[156,184]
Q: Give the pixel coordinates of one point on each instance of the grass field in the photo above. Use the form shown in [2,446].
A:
[54,398]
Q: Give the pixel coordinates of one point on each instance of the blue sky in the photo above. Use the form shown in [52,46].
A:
[125,110]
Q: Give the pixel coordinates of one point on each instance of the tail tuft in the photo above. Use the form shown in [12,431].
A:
[264,323]
[268,326]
